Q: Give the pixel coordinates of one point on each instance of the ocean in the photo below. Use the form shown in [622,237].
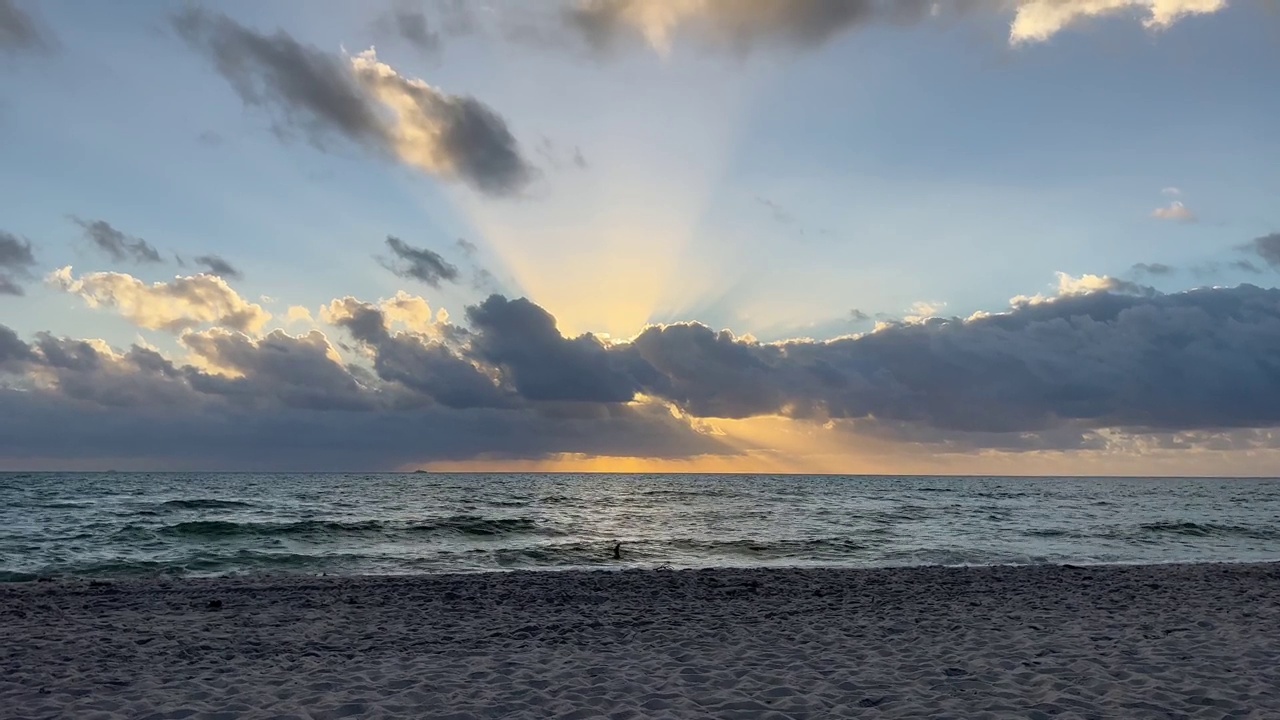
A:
[146,524]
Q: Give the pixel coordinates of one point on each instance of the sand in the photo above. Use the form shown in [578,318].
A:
[1198,641]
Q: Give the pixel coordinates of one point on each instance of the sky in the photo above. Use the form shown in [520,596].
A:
[784,236]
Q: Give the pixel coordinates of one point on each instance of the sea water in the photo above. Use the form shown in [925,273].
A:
[129,524]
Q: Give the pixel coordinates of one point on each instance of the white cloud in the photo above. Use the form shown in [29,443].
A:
[1171,191]
[741,24]
[410,311]
[921,311]
[1175,211]
[1039,20]
[1069,286]
[298,314]
[1085,284]
[184,303]
[403,311]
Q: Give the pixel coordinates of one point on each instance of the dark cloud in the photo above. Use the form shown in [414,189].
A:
[217,266]
[1245,266]
[457,17]
[16,261]
[288,405]
[323,95]
[13,350]
[279,369]
[467,247]
[1197,359]
[431,368]
[1267,248]
[419,263]
[735,25]
[20,31]
[522,339]
[1143,269]
[857,316]
[1047,374]
[118,245]
[314,91]
[412,26]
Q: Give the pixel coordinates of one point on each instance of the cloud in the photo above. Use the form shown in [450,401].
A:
[184,303]
[780,214]
[1090,360]
[733,25]
[217,266]
[1101,360]
[1267,248]
[412,26]
[1086,284]
[279,402]
[481,278]
[1039,20]
[278,369]
[523,341]
[743,26]
[451,135]
[359,98]
[433,368]
[1174,211]
[1160,269]
[1068,286]
[1171,191]
[20,32]
[16,261]
[419,263]
[558,157]
[119,246]
[298,314]
[857,316]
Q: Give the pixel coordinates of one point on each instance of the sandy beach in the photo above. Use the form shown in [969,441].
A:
[1197,641]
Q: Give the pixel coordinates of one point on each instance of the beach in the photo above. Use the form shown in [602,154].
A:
[1146,641]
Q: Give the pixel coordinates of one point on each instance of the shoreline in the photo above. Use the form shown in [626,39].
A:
[167,578]
[1137,641]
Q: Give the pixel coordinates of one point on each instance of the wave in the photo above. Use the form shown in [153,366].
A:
[1193,529]
[465,525]
[204,504]
[1050,532]
[797,549]
[199,563]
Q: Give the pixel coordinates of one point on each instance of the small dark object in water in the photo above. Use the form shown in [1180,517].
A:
[44,578]
[617,550]
[214,605]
